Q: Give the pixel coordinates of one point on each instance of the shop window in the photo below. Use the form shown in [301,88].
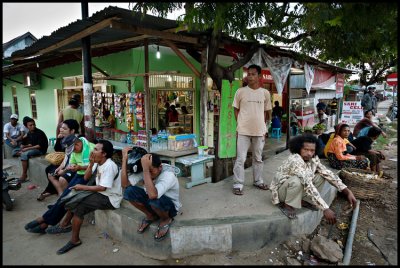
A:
[177,90]
[15,99]
[32,95]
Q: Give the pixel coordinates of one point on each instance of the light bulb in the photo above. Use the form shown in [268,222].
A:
[158,54]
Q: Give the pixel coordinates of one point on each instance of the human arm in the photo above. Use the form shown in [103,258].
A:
[60,120]
[82,125]
[338,147]
[124,169]
[236,112]
[148,182]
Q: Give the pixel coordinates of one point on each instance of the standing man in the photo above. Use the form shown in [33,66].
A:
[321,105]
[367,101]
[13,132]
[71,112]
[36,144]
[299,180]
[277,111]
[107,193]
[252,106]
[334,106]
[77,96]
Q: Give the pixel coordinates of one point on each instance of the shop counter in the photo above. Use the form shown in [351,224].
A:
[197,168]
[173,155]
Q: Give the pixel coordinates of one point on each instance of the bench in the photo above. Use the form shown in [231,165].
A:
[171,156]
[197,168]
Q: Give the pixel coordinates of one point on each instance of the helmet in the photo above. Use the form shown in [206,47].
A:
[134,165]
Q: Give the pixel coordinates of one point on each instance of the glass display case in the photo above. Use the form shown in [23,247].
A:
[303,110]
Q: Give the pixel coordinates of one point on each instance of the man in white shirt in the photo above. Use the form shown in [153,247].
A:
[107,193]
[252,106]
[158,199]
[13,132]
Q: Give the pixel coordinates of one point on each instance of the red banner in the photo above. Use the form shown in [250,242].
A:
[266,76]
[339,83]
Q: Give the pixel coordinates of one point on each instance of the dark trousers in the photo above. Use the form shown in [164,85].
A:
[57,211]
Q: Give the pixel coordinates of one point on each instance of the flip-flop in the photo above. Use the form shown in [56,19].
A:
[147,222]
[31,224]
[261,186]
[306,204]
[68,247]
[162,237]
[23,181]
[43,196]
[237,191]
[286,212]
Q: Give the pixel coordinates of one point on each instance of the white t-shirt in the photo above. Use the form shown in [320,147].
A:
[166,184]
[252,103]
[105,177]
[14,131]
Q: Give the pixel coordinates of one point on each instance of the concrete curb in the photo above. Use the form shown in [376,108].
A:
[200,236]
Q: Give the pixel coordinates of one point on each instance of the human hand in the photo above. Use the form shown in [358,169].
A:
[146,161]
[13,142]
[360,157]
[73,167]
[125,151]
[91,157]
[330,216]
[78,187]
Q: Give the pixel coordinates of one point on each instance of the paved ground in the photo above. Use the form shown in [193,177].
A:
[22,248]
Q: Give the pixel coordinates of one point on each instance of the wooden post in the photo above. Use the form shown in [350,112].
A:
[89,130]
[147,92]
[203,98]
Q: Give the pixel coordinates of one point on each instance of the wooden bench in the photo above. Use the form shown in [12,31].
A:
[197,168]
[171,156]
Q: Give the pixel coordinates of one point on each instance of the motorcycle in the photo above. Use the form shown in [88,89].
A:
[9,184]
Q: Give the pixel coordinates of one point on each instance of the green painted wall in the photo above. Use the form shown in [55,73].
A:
[126,62]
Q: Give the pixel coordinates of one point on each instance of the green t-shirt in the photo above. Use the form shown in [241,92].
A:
[76,158]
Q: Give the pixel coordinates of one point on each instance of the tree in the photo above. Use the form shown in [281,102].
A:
[347,34]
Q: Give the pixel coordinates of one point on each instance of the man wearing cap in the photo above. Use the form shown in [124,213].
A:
[13,132]
[36,144]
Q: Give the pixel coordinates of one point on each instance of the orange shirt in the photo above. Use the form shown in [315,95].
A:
[338,146]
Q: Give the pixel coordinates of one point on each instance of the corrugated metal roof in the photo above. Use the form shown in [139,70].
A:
[111,40]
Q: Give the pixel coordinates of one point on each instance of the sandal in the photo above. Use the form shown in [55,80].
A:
[237,191]
[261,186]
[144,225]
[286,212]
[68,247]
[159,228]
[43,196]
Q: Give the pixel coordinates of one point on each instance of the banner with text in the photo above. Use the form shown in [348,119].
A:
[352,112]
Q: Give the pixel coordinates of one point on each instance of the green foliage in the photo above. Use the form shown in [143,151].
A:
[346,34]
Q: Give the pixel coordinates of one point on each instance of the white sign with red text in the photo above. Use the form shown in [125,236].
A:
[352,112]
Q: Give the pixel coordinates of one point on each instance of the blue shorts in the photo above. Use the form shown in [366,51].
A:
[28,154]
[138,195]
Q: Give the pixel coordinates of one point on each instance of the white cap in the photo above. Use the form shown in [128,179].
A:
[15,116]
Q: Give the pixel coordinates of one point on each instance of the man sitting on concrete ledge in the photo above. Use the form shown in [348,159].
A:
[300,179]
[159,199]
[35,145]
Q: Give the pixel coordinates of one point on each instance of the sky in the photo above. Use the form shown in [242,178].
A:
[42,19]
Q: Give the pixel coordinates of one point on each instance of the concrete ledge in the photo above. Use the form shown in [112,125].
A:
[36,170]
[201,236]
